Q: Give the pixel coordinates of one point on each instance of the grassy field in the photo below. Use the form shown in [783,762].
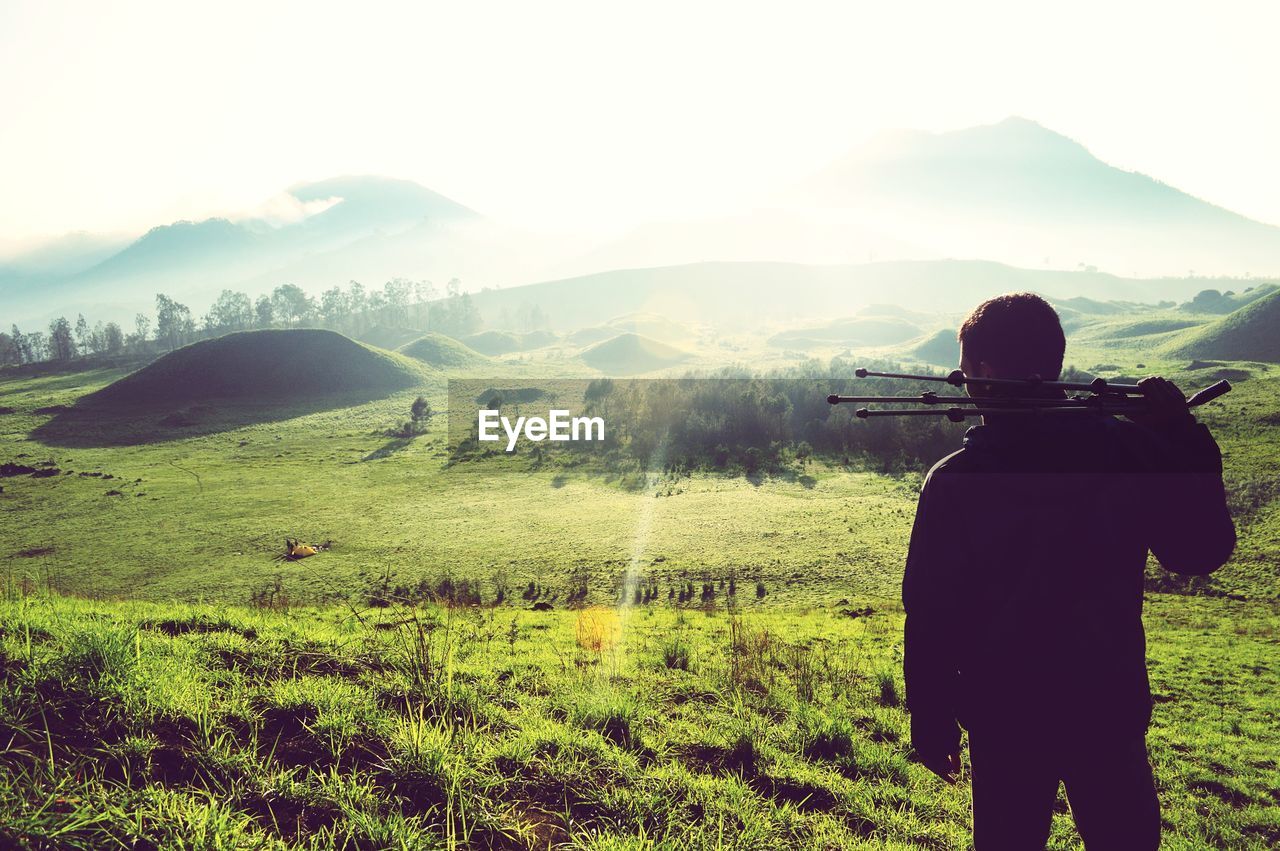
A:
[198,518]
[146,725]
[718,664]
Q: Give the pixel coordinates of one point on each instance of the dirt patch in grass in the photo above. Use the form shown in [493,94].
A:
[719,759]
[289,816]
[198,624]
[1227,795]
[805,796]
[34,552]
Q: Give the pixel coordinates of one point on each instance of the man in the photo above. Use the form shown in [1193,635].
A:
[1023,591]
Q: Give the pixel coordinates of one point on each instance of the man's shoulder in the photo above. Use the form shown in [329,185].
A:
[958,462]
[963,460]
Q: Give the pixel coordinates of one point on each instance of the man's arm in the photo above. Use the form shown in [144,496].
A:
[1190,530]
[929,665]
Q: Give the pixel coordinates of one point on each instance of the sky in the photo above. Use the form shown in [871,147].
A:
[596,116]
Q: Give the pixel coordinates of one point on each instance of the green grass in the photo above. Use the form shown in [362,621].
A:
[1248,333]
[443,352]
[169,713]
[167,725]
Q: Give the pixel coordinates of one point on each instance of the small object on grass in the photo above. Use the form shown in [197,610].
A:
[293,550]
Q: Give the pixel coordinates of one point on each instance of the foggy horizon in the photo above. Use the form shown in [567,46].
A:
[190,115]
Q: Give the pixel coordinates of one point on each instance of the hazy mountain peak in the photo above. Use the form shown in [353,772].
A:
[389,197]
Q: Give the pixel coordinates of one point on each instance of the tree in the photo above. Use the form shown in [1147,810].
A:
[232,311]
[333,307]
[9,353]
[264,312]
[97,343]
[141,331]
[531,317]
[397,293]
[21,346]
[419,417]
[82,332]
[37,347]
[112,339]
[423,293]
[174,324]
[291,305]
[62,346]
[456,315]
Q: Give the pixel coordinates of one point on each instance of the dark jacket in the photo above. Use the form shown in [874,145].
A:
[1024,580]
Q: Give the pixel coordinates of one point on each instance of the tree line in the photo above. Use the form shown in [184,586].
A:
[352,310]
[735,422]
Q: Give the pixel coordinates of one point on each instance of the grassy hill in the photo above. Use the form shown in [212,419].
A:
[1250,333]
[629,354]
[280,365]
[856,331]
[443,352]
[389,337]
[652,325]
[495,342]
[941,349]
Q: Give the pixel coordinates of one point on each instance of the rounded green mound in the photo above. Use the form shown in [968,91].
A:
[1250,333]
[444,352]
[276,365]
[389,337]
[939,349]
[493,342]
[628,354]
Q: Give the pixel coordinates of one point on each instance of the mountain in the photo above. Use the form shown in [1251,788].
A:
[761,294]
[1013,192]
[362,227]
[1020,193]
[56,258]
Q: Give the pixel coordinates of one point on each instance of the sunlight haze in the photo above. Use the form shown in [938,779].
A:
[596,116]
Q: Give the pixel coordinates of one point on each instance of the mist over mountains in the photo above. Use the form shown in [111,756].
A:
[1014,193]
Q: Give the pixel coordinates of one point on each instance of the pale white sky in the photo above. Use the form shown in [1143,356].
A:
[598,114]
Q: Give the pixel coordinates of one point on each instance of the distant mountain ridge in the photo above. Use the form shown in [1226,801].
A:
[765,293]
[1018,192]
[1014,193]
[195,259]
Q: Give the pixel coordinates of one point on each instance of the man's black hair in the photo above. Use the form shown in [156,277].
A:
[1018,335]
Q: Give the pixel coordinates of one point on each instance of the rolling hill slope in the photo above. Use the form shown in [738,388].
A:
[443,352]
[631,354]
[1250,333]
[275,365]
